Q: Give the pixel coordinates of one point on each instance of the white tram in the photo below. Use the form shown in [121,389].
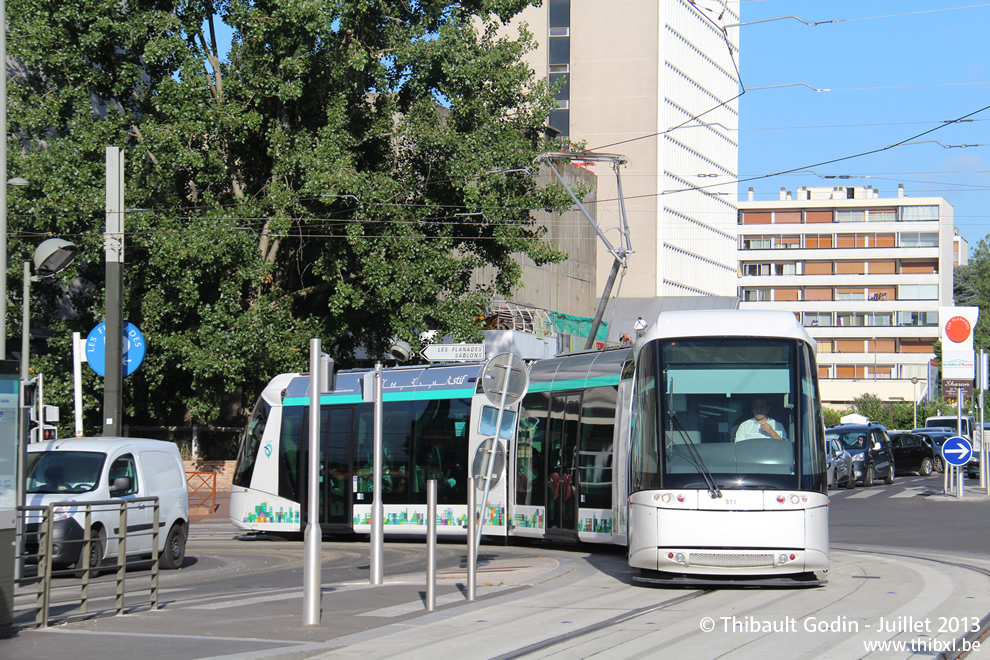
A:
[727,453]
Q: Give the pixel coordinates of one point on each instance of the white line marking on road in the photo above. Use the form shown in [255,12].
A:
[863,494]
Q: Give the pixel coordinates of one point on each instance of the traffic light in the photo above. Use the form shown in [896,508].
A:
[47,432]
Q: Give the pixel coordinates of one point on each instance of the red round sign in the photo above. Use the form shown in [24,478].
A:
[957,329]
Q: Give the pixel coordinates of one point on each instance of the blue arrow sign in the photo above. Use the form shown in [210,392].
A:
[133,349]
[957,451]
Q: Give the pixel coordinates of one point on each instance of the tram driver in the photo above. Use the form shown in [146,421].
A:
[761,425]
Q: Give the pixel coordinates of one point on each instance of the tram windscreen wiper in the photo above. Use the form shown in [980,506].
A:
[699,463]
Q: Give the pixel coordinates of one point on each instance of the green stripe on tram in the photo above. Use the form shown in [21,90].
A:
[574,384]
[346,399]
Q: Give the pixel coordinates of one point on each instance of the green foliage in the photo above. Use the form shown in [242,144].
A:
[339,176]
[833,417]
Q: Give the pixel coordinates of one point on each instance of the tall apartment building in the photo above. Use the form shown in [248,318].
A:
[866,276]
[629,73]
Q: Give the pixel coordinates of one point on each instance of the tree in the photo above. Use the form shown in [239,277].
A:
[339,175]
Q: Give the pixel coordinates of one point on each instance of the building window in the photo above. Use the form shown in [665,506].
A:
[918,319]
[756,295]
[919,239]
[916,213]
[917,292]
[560,13]
[850,216]
[888,215]
[818,320]
[876,319]
[756,269]
[757,243]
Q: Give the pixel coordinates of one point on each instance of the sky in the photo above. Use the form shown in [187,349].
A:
[885,72]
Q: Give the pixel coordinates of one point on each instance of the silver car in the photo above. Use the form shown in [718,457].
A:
[839,464]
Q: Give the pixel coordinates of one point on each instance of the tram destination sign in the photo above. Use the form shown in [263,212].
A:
[454,353]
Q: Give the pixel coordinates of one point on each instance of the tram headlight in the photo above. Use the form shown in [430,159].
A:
[795,499]
[665,498]
[782,559]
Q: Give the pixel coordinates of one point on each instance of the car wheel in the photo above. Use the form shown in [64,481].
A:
[889,479]
[868,476]
[938,464]
[851,481]
[175,548]
[926,467]
[95,557]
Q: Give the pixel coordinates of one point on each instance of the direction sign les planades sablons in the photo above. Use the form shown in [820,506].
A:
[454,352]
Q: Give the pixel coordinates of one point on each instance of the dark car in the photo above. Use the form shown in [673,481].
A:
[912,453]
[870,449]
[936,439]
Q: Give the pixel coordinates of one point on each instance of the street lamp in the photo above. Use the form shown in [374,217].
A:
[51,257]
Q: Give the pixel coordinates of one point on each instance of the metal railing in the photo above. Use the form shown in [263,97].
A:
[37,547]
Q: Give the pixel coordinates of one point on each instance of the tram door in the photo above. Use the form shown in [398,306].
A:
[335,468]
[562,466]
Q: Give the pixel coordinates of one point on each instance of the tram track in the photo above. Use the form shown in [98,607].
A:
[674,629]
[979,635]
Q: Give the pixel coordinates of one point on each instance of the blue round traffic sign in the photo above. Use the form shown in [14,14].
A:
[133,348]
[957,451]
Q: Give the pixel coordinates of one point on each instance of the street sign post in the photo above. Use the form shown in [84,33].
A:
[454,353]
[957,451]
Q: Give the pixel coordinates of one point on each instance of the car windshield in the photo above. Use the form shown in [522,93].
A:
[850,440]
[64,472]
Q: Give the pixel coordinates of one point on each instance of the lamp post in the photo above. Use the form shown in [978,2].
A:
[50,258]
[914,381]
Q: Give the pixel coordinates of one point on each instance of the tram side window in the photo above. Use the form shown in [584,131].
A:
[645,458]
[530,444]
[595,458]
[439,449]
[247,453]
[289,459]
[813,475]
[396,439]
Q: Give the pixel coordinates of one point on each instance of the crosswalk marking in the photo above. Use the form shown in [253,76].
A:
[908,492]
[863,494]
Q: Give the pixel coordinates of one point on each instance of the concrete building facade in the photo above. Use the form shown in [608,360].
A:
[866,276]
[655,82]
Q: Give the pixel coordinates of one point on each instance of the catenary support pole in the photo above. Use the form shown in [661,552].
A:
[114,337]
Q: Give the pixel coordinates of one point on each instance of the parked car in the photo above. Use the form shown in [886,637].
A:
[870,449]
[936,439]
[839,464]
[912,453]
[72,472]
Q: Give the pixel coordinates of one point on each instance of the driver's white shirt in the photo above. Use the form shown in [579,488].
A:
[751,429]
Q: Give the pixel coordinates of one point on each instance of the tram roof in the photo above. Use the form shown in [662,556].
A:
[727,323]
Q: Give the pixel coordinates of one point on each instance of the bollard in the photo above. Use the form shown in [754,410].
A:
[431,545]
[472,558]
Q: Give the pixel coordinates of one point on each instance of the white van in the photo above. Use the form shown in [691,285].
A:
[94,469]
[970,429]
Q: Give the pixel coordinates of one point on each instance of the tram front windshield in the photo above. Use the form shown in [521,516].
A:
[730,412]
